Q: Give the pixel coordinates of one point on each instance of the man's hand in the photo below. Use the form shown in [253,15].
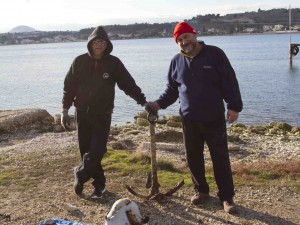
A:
[65,119]
[232,116]
[151,107]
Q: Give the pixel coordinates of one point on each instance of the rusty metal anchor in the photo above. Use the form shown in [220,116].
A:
[152,181]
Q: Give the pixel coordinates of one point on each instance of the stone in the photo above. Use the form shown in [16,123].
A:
[232,147]
[172,147]
[143,114]
[57,123]
[122,145]
[175,118]
[24,120]
[142,122]
[295,129]
[171,123]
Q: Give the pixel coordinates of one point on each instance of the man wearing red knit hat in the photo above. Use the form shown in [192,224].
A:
[202,78]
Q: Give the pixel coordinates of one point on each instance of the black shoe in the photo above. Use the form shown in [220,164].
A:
[98,193]
[78,186]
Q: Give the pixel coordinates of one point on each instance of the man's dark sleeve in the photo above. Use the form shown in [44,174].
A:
[230,86]
[171,93]
[127,84]
[69,90]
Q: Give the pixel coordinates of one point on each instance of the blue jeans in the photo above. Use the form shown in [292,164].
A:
[93,132]
[214,134]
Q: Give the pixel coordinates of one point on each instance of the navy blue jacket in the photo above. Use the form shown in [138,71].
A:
[202,83]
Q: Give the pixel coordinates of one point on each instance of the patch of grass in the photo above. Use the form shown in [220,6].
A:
[170,179]
[268,173]
[138,164]
[166,165]
[139,157]
[27,170]
[8,176]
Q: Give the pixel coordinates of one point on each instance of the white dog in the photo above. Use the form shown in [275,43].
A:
[125,212]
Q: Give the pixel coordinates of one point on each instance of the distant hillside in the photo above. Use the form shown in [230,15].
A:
[241,21]
[260,21]
[211,24]
[21,29]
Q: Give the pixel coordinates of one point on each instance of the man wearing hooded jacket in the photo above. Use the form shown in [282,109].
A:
[90,86]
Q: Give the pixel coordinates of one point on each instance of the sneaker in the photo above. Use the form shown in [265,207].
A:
[229,207]
[98,193]
[78,186]
[199,198]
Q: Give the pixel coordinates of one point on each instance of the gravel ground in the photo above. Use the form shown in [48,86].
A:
[24,203]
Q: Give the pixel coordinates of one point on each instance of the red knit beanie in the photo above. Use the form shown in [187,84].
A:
[181,28]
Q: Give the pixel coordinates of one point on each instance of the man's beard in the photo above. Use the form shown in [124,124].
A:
[189,47]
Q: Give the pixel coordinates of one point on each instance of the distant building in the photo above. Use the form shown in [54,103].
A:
[27,41]
[278,27]
[47,40]
[267,28]
[125,35]
[213,31]
[249,30]
[295,27]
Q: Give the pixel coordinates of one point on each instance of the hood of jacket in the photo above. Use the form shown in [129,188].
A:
[99,33]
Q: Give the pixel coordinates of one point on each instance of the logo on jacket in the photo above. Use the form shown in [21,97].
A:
[106,75]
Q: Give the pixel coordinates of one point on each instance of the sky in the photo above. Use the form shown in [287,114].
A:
[73,15]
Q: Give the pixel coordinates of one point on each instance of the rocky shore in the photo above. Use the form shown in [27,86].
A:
[32,132]
[272,141]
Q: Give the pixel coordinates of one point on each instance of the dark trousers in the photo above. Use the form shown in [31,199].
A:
[214,134]
[93,134]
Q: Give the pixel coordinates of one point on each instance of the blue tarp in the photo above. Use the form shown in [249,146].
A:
[62,222]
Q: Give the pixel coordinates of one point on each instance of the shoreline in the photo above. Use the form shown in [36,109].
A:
[199,36]
[39,119]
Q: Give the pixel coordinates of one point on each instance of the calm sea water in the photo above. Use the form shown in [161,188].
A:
[31,76]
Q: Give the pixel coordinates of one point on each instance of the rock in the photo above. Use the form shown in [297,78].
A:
[24,120]
[114,131]
[234,138]
[143,114]
[171,123]
[175,118]
[295,129]
[172,147]
[258,129]
[232,147]
[283,126]
[57,123]
[122,145]
[142,122]
[161,121]
[57,128]
[69,207]
[133,132]
[285,138]
[169,136]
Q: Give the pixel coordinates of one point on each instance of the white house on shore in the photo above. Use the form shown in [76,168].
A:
[278,27]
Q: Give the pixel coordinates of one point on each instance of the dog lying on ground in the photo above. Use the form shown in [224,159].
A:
[125,212]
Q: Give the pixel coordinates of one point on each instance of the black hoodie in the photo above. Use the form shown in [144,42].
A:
[90,83]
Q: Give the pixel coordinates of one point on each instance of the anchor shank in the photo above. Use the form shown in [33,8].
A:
[155,184]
